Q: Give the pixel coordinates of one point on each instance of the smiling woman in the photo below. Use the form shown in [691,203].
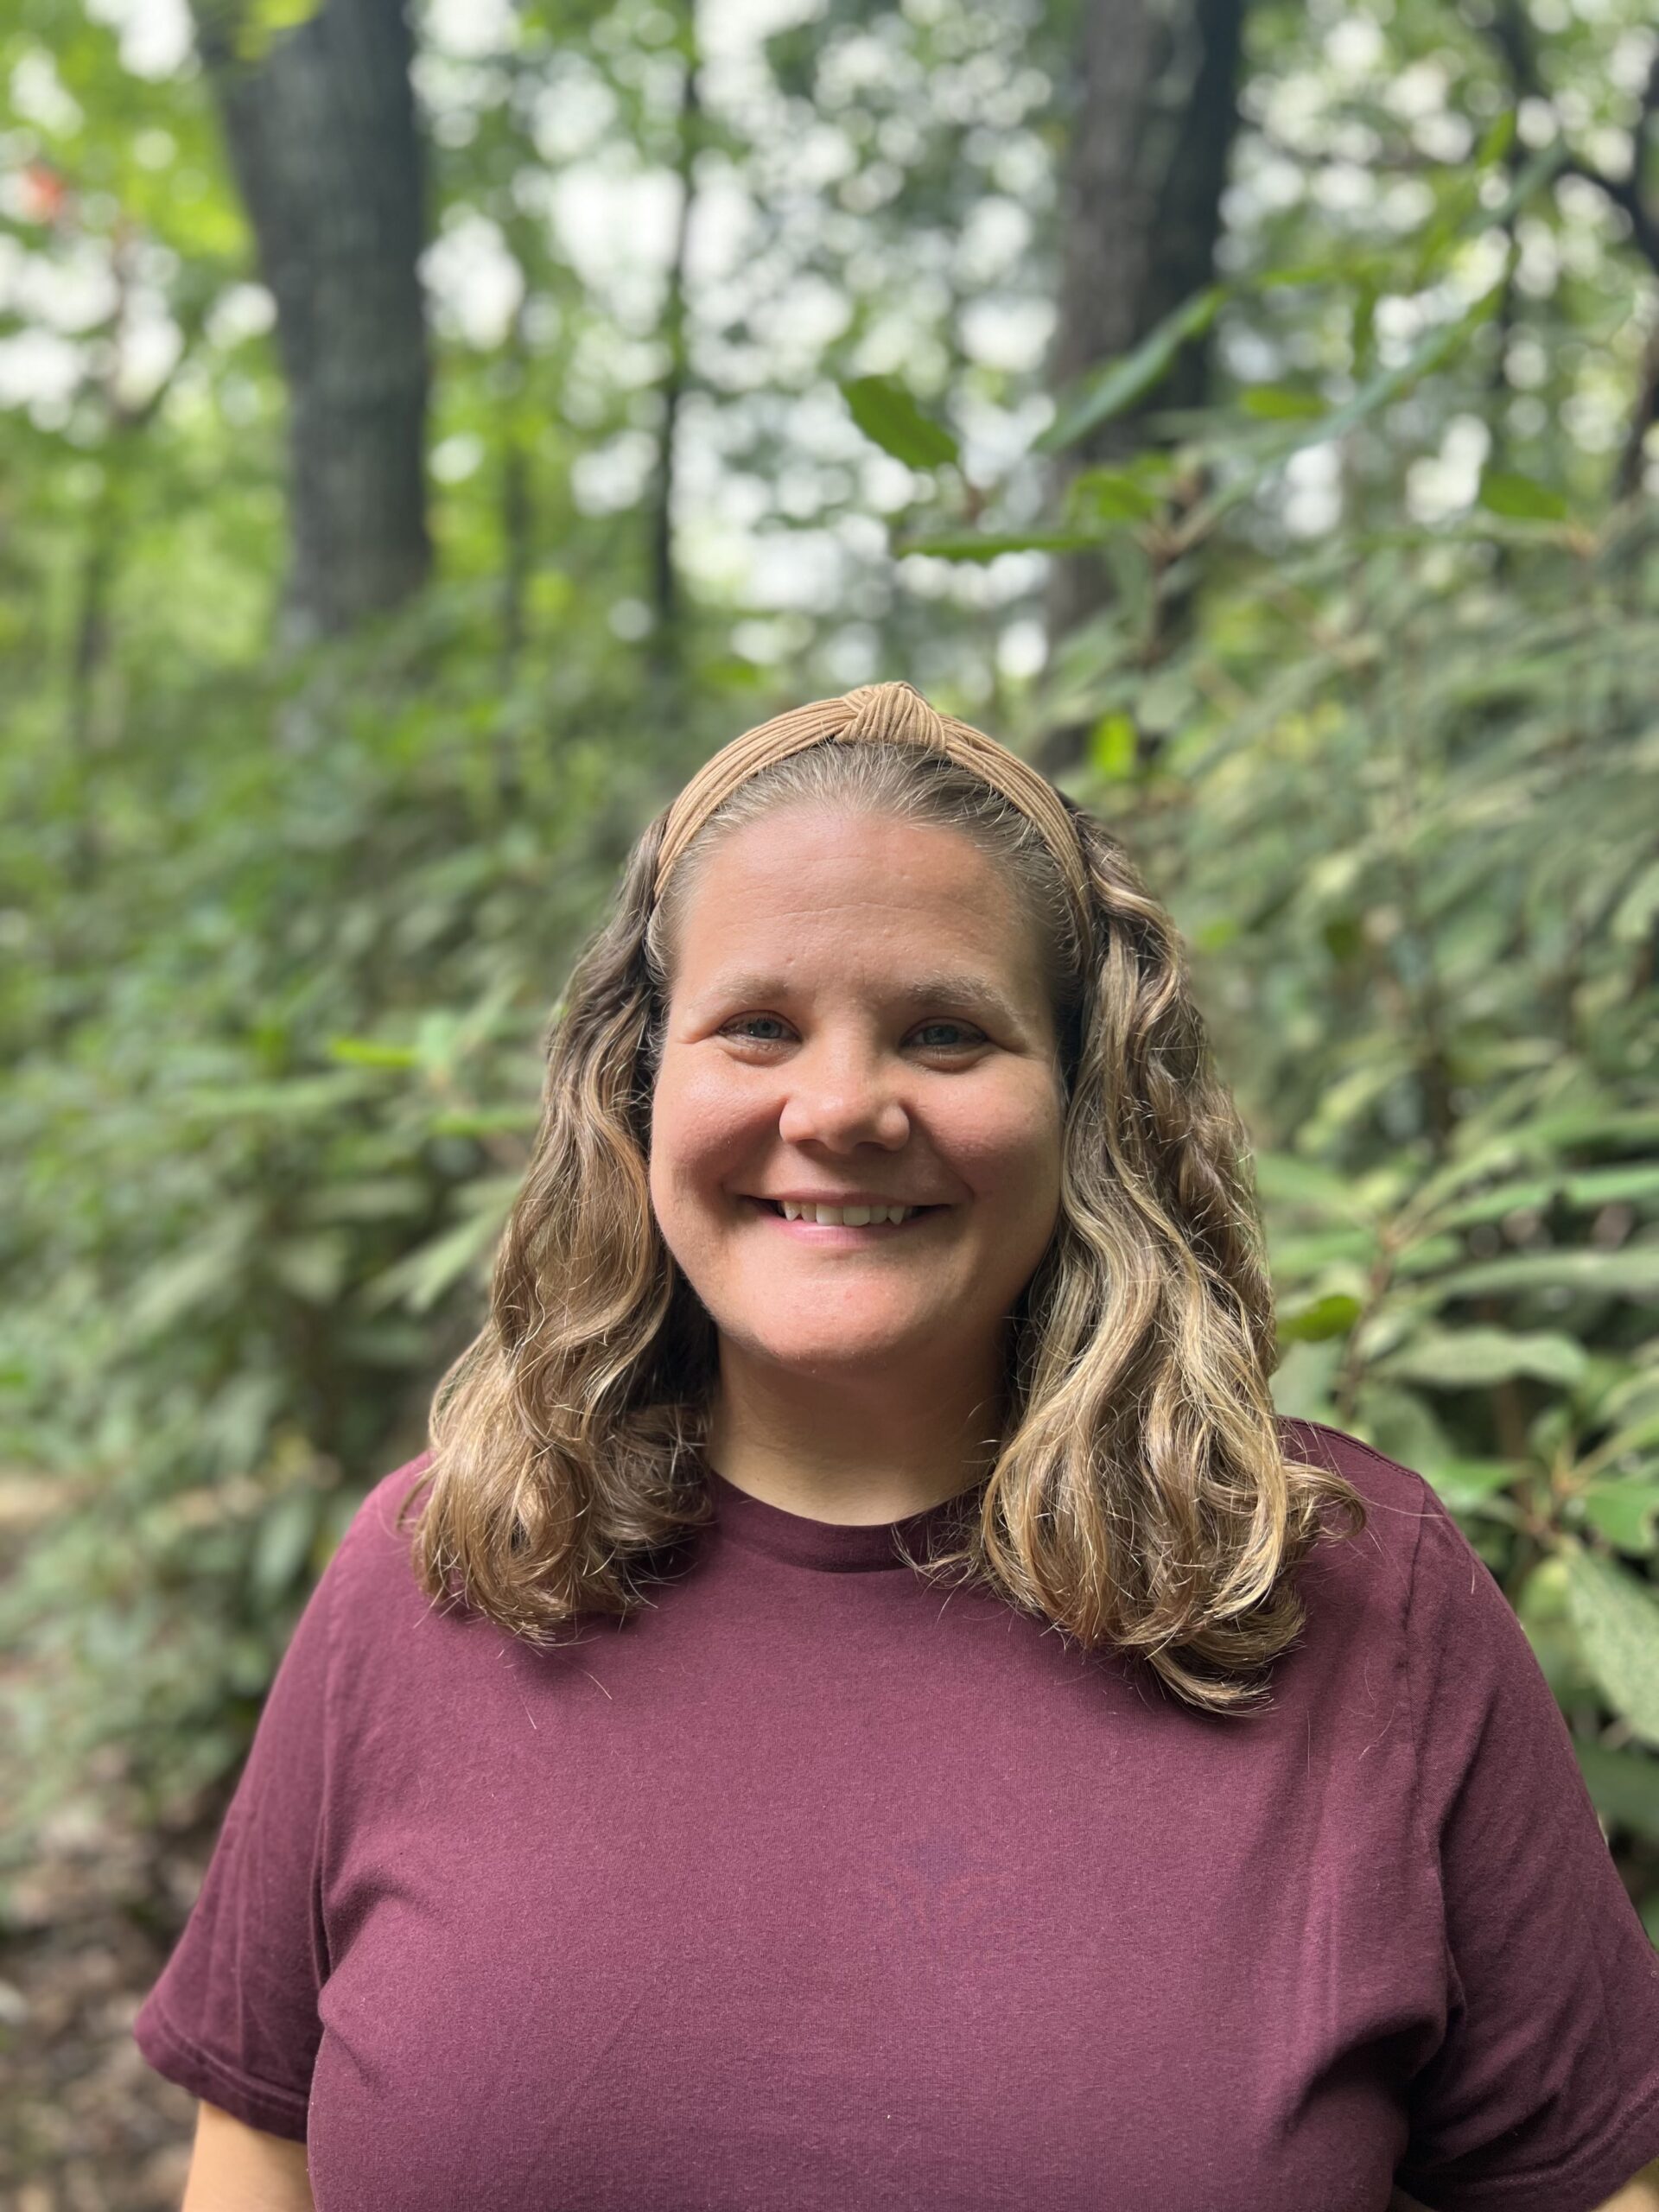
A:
[801,1734]
[839,1078]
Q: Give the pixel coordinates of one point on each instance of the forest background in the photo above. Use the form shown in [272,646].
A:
[423,438]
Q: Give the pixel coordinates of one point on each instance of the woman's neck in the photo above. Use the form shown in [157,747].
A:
[849,1447]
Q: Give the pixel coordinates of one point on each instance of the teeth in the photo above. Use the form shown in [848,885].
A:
[848,1217]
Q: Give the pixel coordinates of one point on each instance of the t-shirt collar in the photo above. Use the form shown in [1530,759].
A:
[828,1547]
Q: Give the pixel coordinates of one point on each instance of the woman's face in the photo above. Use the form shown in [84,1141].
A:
[858,1014]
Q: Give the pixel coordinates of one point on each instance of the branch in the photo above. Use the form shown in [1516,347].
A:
[1512,33]
[1643,414]
[1622,191]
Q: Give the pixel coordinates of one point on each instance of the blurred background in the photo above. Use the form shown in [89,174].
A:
[425,435]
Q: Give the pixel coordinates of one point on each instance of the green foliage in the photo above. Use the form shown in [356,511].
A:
[1115,386]
[888,416]
[1618,1623]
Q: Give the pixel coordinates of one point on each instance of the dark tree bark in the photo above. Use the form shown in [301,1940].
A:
[320,122]
[1516,40]
[1644,413]
[1151,137]
[665,651]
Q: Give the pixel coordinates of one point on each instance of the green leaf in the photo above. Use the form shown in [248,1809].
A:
[420,1277]
[245,30]
[1591,1125]
[1637,910]
[1344,936]
[316,1096]
[1637,1435]
[1293,274]
[1471,1359]
[1113,746]
[1466,1485]
[1618,1623]
[484,1120]
[1283,1179]
[369,1198]
[1523,499]
[201,1273]
[1544,1609]
[1629,1273]
[892,418]
[1533,174]
[1503,1151]
[1496,141]
[279,1550]
[1639,1389]
[1304,1380]
[1624,1511]
[1503,1199]
[1294,1258]
[1426,1255]
[1115,386]
[1276,403]
[1334,1315]
[1623,1786]
[960,546]
[1108,496]
[1399,1423]
[313,1268]
[371,1052]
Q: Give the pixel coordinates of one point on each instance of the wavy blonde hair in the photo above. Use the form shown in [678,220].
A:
[1138,1498]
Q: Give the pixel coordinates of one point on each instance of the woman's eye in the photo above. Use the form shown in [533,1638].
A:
[743,1023]
[959,1036]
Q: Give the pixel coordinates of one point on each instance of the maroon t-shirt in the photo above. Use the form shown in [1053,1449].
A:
[813,1887]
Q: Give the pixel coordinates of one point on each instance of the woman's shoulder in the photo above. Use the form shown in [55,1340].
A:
[1413,1579]
[370,1572]
[375,1522]
[1379,1478]
[1405,1515]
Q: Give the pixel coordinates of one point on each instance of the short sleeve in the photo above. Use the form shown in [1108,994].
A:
[233,2016]
[1543,2095]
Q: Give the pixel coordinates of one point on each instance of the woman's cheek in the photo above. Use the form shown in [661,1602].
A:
[701,1125]
[1008,1135]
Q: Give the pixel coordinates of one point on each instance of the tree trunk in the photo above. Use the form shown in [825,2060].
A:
[1152,136]
[663,655]
[320,123]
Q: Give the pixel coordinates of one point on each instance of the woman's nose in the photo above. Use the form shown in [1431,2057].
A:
[841,1097]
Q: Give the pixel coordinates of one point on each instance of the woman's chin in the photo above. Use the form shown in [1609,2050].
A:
[817,1350]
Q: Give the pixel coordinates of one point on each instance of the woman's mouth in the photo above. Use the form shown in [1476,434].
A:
[837,1224]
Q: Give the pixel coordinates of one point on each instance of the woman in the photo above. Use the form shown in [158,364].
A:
[682,1802]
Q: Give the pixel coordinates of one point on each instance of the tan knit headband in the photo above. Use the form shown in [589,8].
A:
[878,713]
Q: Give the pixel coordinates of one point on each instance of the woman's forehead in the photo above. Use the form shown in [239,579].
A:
[809,899]
[804,865]
[887,921]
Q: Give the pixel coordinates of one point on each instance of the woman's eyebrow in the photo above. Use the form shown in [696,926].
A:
[954,987]
[957,990]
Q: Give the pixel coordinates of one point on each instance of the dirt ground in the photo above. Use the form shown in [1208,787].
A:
[85,2124]
[85,1926]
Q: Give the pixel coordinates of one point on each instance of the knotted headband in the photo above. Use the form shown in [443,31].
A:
[879,714]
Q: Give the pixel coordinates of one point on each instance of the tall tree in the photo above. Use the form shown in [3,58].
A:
[1153,130]
[664,657]
[320,123]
